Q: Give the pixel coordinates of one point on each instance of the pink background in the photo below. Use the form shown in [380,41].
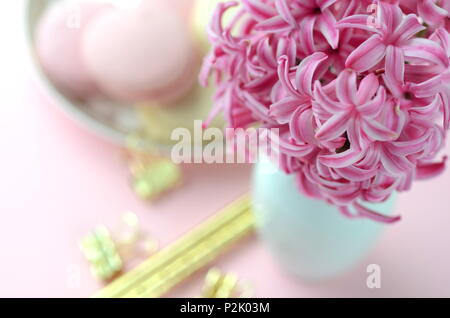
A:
[58,181]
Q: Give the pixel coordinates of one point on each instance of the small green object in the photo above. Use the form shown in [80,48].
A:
[156,178]
[101,252]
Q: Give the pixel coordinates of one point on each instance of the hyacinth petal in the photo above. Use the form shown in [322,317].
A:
[424,50]
[346,87]
[206,70]
[291,51]
[390,15]
[378,132]
[307,34]
[435,142]
[326,24]
[396,88]
[308,4]
[259,109]
[367,55]
[343,159]
[282,110]
[287,47]
[370,214]
[341,196]
[407,29]
[273,25]
[445,96]
[395,64]
[301,126]
[431,12]
[442,37]
[285,12]
[396,165]
[445,5]
[308,188]
[290,148]
[215,26]
[383,185]
[353,133]
[415,73]
[285,77]
[324,4]
[405,148]
[358,21]
[333,127]
[323,100]
[259,10]
[356,174]
[266,54]
[260,83]
[427,111]
[367,88]
[428,88]
[426,171]
[371,158]
[305,72]
[375,106]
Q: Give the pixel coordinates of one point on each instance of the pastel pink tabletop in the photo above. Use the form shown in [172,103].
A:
[58,181]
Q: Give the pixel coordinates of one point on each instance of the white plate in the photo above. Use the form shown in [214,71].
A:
[106,118]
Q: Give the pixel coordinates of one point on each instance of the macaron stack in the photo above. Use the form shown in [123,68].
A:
[144,54]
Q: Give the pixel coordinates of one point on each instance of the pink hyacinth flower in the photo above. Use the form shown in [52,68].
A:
[306,16]
[359,90]
[439,84]
[395,34]
[355,113]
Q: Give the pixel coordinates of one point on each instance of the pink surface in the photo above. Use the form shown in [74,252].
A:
[58,181]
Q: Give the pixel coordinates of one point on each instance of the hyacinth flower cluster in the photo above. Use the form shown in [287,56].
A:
[359,90]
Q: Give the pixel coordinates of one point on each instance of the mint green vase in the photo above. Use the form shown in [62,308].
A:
[308,237]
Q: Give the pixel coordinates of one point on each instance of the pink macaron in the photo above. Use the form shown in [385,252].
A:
[58,39]
[141,54]
[181,7]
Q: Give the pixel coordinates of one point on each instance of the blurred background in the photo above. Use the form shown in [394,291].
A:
[65,168]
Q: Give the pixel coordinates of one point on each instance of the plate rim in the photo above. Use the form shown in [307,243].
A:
[63,103]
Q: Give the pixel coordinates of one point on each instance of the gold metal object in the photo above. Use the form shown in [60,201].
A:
[152,174]
[131,240]
[101,252]
[107,251]
[219,285]
[156,178]
[195,250]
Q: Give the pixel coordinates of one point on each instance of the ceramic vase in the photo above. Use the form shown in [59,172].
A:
[309,237]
